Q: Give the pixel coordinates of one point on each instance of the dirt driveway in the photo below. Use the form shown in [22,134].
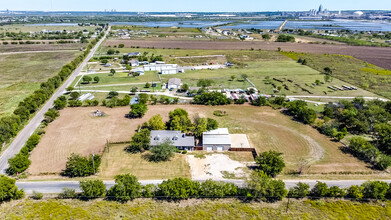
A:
[214,167]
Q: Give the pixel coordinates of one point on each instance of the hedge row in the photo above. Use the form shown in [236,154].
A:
[127,188]
[11,125]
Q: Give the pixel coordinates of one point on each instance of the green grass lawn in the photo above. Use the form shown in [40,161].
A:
[119,78]
[21,74]
[194,209]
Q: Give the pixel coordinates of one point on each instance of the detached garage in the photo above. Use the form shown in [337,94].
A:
[216,140]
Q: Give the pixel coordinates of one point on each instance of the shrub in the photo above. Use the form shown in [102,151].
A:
[18,164]
[375,190]
[320,190]
[79,166]
[126,188]
[261,186]
[355,192]
[213,189]
[336,192]
[8,189]
[301,190]
[67,193]
[178,188]
[92,189]
[149,191]
[211,98]
[285,38]
[270,162]
[37,195]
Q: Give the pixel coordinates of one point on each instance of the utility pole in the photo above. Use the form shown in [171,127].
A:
[93,163]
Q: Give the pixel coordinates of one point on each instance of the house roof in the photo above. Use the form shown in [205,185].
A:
[216,137]
[177,138]
[175,81]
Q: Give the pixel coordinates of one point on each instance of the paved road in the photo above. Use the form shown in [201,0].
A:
[29,129]
[57,186]
[127,92]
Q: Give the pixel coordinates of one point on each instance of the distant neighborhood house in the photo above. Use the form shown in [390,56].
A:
[174,83]
[134,54]
[177,138]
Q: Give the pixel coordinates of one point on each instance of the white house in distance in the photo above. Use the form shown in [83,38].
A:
[162,68]
[174,83]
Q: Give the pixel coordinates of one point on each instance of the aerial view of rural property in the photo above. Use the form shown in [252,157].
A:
[195,110]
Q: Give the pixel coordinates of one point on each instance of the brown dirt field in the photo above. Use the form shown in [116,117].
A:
[379,56]
[75,131]
[39,47]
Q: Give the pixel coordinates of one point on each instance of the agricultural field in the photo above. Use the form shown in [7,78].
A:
[21,74]
[29,28]
[268,70]
[77,131]
[376,55]
[195,209]
[140,32]
[349,69]
[25,48]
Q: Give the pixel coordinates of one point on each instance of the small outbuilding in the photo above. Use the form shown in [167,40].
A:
[174,83]
[216,140]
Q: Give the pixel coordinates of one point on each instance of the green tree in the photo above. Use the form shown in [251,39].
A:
[211,98]
[138,110]
[75,95]
[60,103]
[112,71]
[112,94]
[213,189]
[270,162]
[320,190]
[126,188]
[336,192]
[87,79]
[163,151]
[110,51]
[375,189]
[8,189]
[143,98]
[266,36]
[96,79]
[92,189]
[211,124]
[79,166]
[383,137]
[156,123]
[184,87]
[18,164]
[140,141]
[147,85]
[301,190]
[200,126]
[149,191]
[178,188]
[261,186]
[179,120]
[70,89]
[233,77]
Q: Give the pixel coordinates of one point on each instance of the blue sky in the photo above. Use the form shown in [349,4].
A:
[191,5]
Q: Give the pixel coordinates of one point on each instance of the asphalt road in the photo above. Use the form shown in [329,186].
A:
[57,186]
[29,129]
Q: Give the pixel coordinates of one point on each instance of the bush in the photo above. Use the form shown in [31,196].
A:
[8,189]
[126,188]
[67,193]
[37,195]
[320,190]
[149,191]
[336,192]
[178,188]
[270,162]
[92,189]
[79,166]
[261,186]
[213,189]
[301,190]
[355,192]
[285,38]
[211,98]
[375,190]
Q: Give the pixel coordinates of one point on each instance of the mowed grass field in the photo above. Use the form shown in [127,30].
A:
[194,209]
[268,70]
[27,28]
[118,161]
[76,131]
[21,74]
